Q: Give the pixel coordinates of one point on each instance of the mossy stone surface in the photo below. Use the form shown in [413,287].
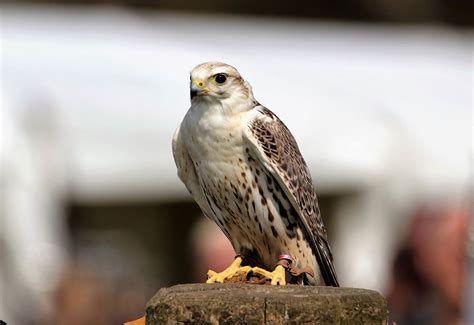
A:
[262,304]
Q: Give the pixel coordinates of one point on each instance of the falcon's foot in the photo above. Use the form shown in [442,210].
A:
[277,276]
[233,270]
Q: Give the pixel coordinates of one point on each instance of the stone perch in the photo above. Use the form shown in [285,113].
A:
[264,304]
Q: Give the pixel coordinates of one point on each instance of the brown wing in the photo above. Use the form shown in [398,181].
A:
[278,151]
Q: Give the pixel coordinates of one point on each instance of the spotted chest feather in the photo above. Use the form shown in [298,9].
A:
[252,210]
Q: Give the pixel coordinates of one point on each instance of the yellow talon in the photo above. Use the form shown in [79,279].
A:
[233,270]
[211,273]
[277,276]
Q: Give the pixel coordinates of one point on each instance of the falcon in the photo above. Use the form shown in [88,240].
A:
[244,169]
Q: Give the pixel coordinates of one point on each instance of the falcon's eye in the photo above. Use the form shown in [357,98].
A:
[220,78]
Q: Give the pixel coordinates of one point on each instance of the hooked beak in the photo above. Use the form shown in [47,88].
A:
[198,88]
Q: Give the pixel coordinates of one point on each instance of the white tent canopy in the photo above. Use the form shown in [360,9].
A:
[364,103]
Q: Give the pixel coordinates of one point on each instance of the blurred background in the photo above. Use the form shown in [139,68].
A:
[93,218]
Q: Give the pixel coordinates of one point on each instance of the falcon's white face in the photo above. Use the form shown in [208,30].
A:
[213,81]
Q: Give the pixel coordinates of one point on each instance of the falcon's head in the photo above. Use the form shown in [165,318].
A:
[218,81]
